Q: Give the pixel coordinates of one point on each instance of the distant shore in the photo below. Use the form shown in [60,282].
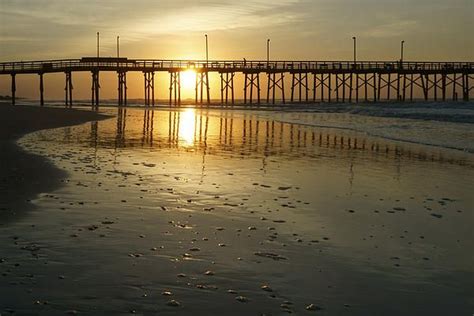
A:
[23,175]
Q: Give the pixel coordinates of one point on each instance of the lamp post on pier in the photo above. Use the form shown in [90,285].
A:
[402,44]
[355,50]
[268,52]
[207,50]
[98,44]
[401,53]
[118,46]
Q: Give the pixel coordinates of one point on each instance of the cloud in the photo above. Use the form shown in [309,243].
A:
[251,14]
[393,29]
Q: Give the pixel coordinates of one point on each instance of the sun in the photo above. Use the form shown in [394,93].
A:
[188,79]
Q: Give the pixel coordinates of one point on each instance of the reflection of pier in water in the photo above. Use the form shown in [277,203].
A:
[249,135]
[121,120]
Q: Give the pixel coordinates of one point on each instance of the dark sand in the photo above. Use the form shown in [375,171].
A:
[235,213]
[23,175]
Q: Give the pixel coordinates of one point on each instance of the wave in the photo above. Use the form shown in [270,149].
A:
[458,112]
[445,125]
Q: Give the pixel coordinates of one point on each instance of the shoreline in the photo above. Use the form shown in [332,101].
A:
[24,175]
[446,111]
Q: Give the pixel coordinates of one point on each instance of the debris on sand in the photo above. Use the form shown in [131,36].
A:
[270,255]
[173,303]
[242,299]
[312,307]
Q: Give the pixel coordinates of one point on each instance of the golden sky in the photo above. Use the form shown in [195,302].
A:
[299,29]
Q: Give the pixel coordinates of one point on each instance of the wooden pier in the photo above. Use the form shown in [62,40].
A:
[311,81]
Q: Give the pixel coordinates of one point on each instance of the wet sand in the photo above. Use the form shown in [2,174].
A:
[238,213]
[22,174]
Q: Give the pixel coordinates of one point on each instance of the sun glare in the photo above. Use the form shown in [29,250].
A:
[187,124]
[188,79]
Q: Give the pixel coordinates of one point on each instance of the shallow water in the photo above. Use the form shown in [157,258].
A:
[335,217]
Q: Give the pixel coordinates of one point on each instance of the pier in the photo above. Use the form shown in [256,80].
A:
[306,81]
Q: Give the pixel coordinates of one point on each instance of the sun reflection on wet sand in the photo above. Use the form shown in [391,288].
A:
[187,124]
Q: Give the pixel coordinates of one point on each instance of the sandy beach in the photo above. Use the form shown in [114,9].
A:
[22,174]
[239,212]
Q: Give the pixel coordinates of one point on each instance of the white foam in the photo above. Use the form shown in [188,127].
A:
[448,125]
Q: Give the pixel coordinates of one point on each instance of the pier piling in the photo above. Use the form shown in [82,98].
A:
[13,75]
[149,81]
[252,80]
[275,82]
[68,89]
[122,88]
[175,88]
[95,90]
[227,84]
[202,82]
[41,90]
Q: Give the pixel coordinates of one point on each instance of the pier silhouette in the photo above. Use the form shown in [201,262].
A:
[311,81]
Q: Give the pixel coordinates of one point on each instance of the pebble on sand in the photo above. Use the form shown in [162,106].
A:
[173,303]
[242,299]
[312,307]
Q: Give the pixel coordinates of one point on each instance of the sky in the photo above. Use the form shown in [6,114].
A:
[298,29]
